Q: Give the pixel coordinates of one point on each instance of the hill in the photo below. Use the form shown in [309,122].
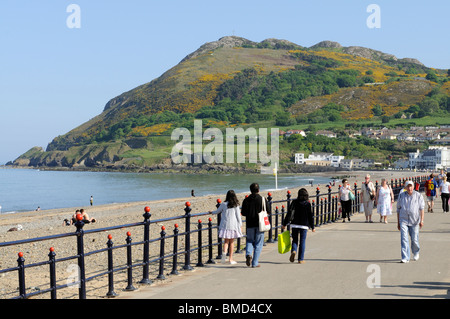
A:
[235,81]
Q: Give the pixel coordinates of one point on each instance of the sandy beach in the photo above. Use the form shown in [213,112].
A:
[50,222]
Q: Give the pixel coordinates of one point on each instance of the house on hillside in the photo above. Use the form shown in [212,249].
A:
[326,133]
[293,132]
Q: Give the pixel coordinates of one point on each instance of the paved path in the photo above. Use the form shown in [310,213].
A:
[343,260]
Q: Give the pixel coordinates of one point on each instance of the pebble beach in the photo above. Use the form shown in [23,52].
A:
[50,222]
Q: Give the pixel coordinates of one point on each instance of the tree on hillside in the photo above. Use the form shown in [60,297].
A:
[377,110]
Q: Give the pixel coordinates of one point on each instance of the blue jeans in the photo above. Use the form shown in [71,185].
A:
[255,242]
[405,232]
[295,234]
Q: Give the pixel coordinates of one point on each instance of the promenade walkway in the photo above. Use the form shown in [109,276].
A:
[343,260]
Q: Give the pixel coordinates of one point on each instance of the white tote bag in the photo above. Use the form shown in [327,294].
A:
[264,224]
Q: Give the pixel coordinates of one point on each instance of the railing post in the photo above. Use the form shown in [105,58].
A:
[200,244]
[288,200]
[147,215]
[187,256]
[326,213]
[110,292]
[329,204]
[175,251]
[21,265]
[315,212]
[319,217]
[210,245]
[321,210]
[238,246]
[333,211]
[130,286]
[161,254]
[269,212]
[219,240]
[51,256]
[276,223]
[80,251]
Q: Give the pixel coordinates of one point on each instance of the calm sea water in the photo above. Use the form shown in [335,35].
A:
[26,189]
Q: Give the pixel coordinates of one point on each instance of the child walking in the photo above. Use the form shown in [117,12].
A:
[230,224]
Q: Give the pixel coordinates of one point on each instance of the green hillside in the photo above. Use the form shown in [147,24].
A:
[235,82]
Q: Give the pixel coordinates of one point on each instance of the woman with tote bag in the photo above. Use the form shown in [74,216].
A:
[300,218]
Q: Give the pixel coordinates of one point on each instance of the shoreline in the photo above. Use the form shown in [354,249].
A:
[53,218]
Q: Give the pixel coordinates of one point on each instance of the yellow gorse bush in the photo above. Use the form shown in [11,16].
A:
[156,129]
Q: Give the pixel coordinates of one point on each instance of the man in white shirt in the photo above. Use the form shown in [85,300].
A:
[410,214]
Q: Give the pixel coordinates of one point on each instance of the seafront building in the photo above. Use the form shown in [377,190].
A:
[319,159]
[434,158]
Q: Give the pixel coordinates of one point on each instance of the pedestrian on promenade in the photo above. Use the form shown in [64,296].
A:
[251,207]
[445,194]
[384,200]
[367,197]
[301,219]
[230,224]
[346,203]
[410,215]
[430,189]
[440,178]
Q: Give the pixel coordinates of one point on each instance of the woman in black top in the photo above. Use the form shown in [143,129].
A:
[300,217]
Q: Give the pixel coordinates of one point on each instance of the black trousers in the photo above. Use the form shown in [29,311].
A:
[444,197]
[346,208]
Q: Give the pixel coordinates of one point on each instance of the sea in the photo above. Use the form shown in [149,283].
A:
[24,190]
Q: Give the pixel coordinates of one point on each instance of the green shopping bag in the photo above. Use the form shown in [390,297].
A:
[284,242]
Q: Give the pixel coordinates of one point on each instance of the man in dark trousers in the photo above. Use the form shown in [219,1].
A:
[251,207]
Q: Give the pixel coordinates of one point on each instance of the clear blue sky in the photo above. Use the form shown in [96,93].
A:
[54,78]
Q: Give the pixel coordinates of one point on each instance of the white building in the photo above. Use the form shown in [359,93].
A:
[299,158]
[336,160]
[434,158]
[319,159]
[293,132]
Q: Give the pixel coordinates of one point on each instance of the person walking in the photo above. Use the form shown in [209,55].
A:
[384,200]
[300,218]
[346,203]
[440,178]
[410,215]
[445,194]
[251,207]
[367,197]
[230,224]
[430,189]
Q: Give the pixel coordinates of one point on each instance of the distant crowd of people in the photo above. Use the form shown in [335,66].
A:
[410,209]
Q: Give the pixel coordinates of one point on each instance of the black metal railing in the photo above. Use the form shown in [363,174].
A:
[325,211]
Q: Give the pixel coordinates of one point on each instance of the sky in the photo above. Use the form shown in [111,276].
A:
[62,61]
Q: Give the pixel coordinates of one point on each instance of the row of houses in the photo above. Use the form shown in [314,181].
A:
[437,135]
[329,159]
